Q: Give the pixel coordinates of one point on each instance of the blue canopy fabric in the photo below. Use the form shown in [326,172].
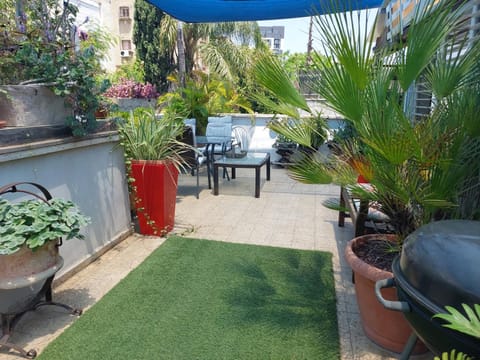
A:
[204,11]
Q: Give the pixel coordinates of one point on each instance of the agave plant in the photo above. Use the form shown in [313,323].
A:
[421,169]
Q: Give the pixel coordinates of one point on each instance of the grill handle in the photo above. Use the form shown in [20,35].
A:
[402,306]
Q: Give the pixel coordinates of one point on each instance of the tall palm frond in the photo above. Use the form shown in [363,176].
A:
[270,74]
[211,44]
[448,70]
[420,170]
[225,58]
[168,40]
[298,131]
[433,22]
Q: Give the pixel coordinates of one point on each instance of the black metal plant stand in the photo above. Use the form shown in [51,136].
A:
[42,298]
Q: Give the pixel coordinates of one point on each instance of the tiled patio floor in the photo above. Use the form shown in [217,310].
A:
[287,214]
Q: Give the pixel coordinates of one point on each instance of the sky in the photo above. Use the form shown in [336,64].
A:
[296,31]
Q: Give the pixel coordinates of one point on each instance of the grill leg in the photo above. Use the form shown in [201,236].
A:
[408,349]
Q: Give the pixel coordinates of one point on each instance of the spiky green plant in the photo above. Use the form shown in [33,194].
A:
[146,137]
[468,324]
[421,169]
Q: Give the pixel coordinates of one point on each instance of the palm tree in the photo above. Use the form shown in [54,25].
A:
[181,54]
[421,170]
[215,45]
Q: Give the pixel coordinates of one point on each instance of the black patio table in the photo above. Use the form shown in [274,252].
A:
[253,160]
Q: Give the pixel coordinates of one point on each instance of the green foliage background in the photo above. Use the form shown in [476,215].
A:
[147,36]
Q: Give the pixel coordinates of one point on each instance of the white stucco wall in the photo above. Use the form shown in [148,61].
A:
[89,172]
[261,138]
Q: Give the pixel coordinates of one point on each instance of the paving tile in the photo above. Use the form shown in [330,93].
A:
[287,214]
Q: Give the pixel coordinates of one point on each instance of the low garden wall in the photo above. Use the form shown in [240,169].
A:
[261,138]
[90,172]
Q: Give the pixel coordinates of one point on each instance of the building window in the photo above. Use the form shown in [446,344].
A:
[126,45]
[276,43]
[124,12]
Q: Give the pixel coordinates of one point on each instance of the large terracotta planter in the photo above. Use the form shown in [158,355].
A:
[155,188]
[23,274]
[387,328]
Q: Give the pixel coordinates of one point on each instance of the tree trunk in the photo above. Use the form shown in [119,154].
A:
[181,54]
[20,18]
[310,42]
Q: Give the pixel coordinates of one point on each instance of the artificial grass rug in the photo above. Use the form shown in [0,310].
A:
[200,299]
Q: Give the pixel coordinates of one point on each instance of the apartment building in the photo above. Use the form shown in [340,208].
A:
[117,17]
[273,36]
[394,17]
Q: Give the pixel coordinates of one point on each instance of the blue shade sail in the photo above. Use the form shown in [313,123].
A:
[251,10]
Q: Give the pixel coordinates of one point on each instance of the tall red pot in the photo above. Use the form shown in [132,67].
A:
[155,184]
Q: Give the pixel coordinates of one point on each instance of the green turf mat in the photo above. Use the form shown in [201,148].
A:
[200,299]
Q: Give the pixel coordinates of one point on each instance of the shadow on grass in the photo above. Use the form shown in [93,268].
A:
[298,293]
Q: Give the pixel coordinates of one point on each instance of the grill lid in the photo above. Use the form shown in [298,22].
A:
[441,261]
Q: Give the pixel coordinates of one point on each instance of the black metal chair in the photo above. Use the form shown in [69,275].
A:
[193,158]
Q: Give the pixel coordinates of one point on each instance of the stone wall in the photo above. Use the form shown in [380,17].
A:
[91,173]
[31,105]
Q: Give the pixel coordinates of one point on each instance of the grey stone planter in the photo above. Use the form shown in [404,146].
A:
[127,104]
[31,105]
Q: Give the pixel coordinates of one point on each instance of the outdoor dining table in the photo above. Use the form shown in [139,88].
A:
[253,160]
[210,143]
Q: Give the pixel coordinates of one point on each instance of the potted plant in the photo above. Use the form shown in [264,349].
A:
[31,232]
[421,169]
[129,94]
[48,65]
[154,156]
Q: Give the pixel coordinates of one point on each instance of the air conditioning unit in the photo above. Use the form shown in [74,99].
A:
[125,53]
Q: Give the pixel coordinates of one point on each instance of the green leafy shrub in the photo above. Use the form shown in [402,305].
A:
[34,222]
[40,44]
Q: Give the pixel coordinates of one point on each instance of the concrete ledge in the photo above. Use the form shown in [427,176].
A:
[43,147]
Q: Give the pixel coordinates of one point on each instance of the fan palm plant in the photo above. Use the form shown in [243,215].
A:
[421,168]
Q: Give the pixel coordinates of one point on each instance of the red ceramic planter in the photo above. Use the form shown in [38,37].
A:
[155,184]
[387,328]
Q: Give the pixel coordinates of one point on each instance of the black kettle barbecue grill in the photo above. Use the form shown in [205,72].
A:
[439,266]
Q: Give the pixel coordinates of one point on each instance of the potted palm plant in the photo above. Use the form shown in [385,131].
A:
[154,156]
[421,169]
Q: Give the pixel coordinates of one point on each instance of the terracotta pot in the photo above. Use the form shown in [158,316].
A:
[101,113]
[23,274]
[155,184]
[388,329]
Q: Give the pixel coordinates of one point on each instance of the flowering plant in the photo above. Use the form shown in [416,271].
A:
[131,89]
[41,43]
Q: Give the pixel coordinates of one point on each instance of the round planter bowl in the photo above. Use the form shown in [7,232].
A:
[387,328]
[23,274]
